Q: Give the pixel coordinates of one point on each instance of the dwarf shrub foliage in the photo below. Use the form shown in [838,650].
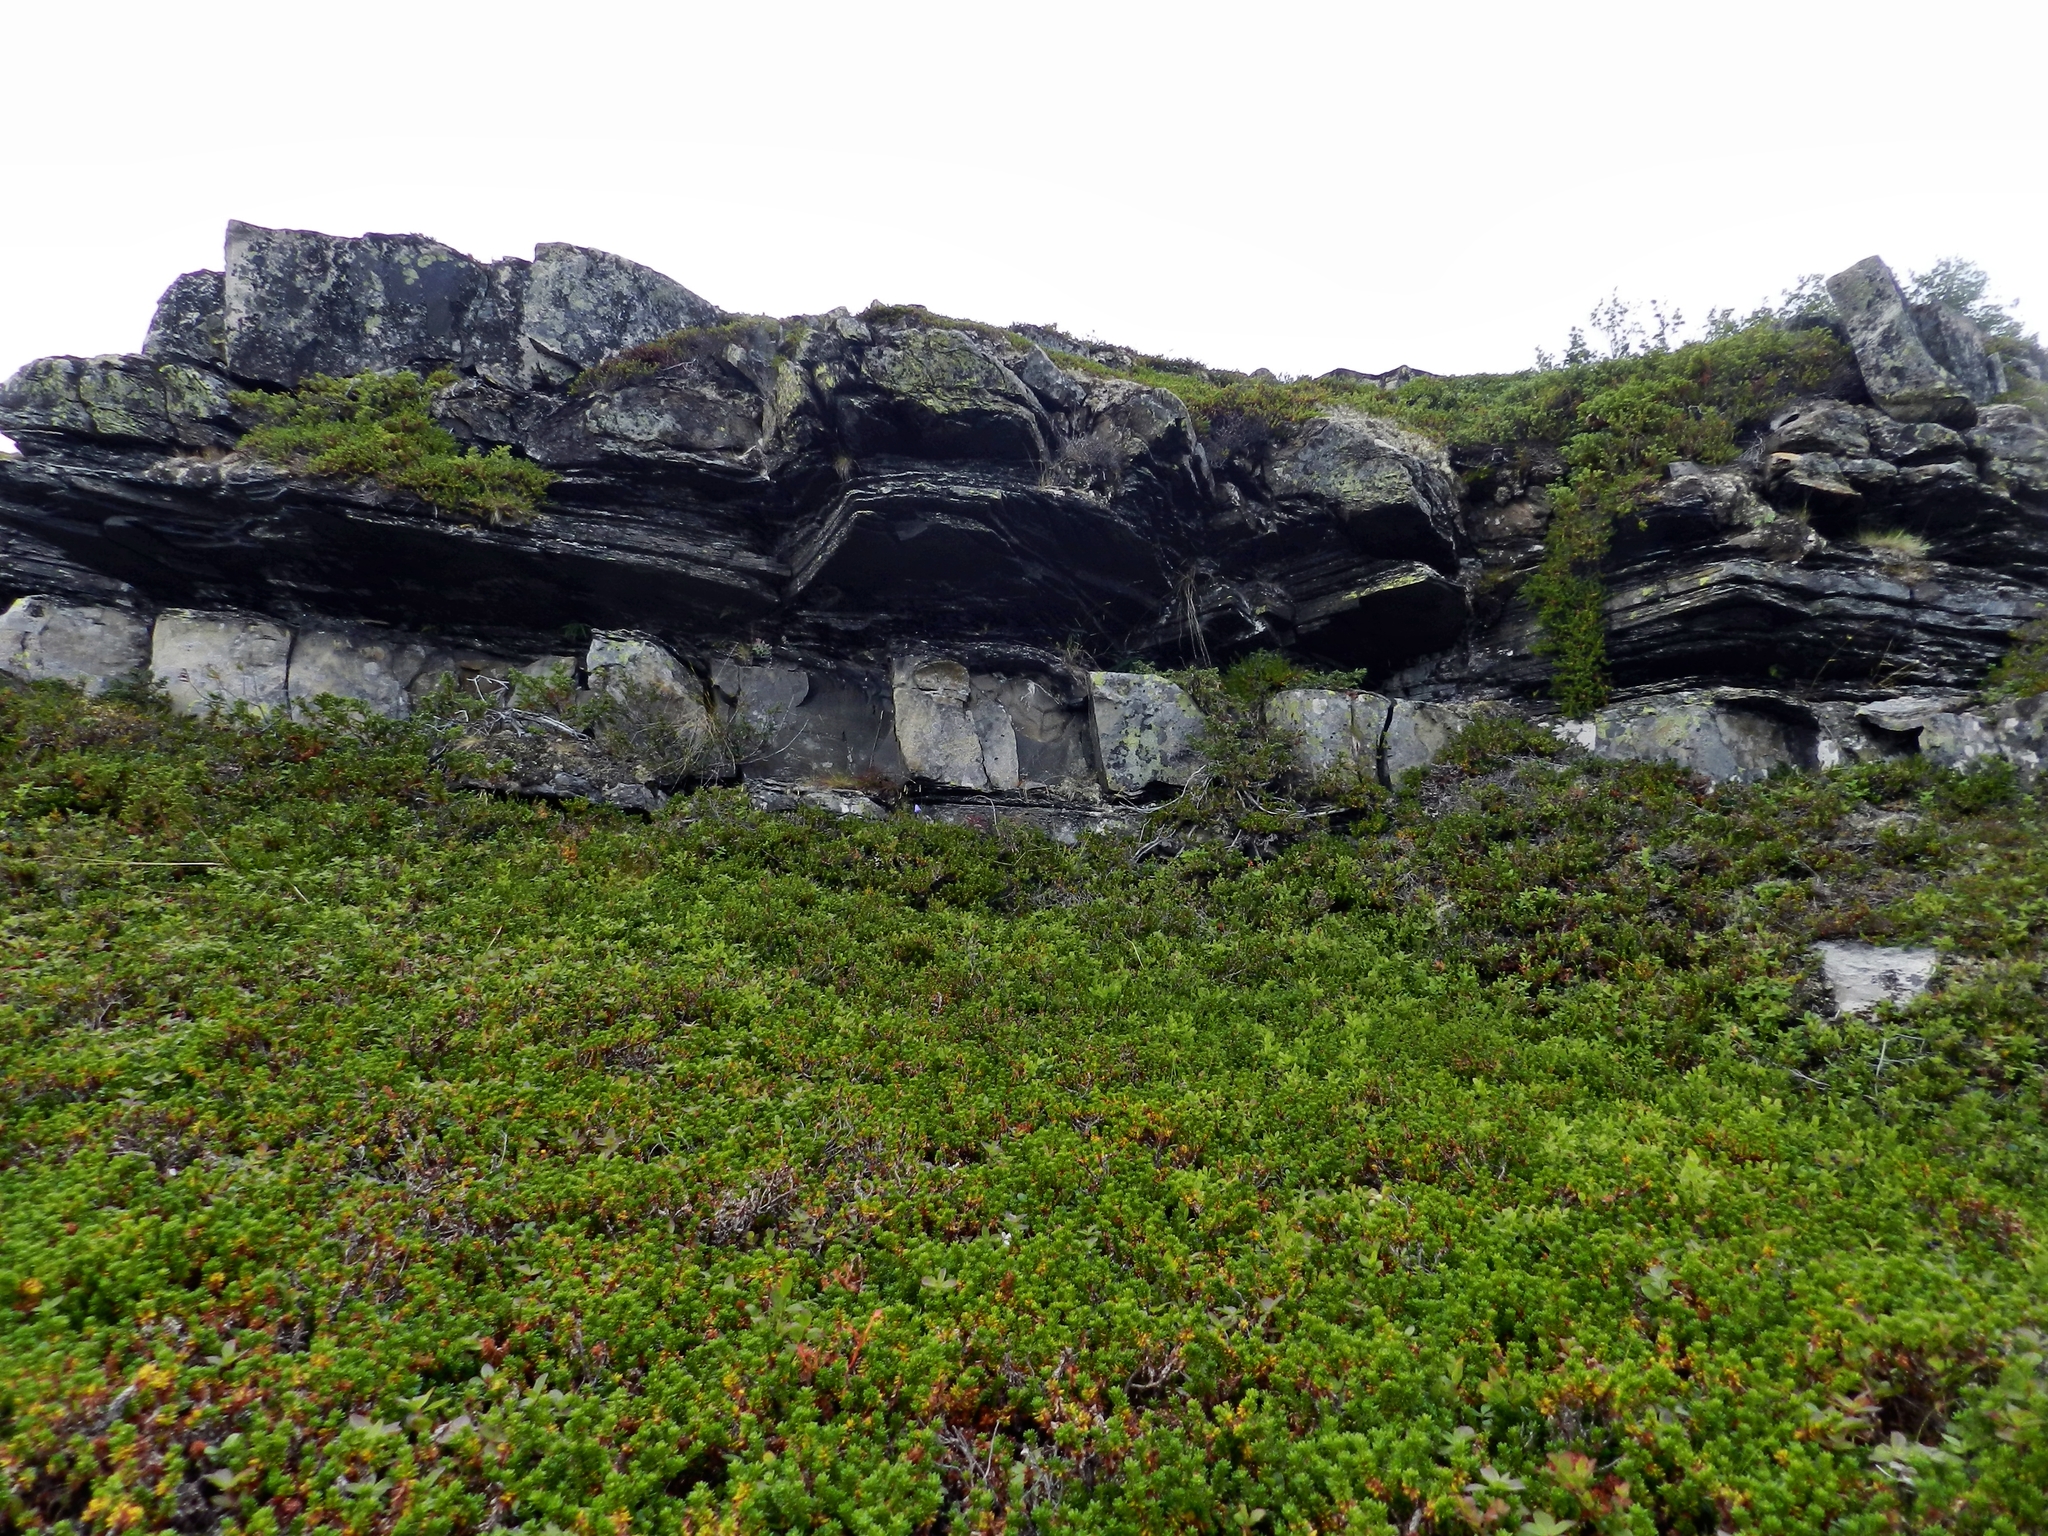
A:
[379,1158]
[380,426]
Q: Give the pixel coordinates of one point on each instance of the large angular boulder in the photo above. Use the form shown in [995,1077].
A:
[190,323]
[217,661]
[2010,731]
[935,393]
[1898,370]
[297,302]
[1418,732]
[372,669]
[46,639]
[1146,730]
[1954,341]
[639,672]
[1337,732]
[1049,721]
[1390,490]
[124,398]
[948,736]
[2013,447]
[577,305]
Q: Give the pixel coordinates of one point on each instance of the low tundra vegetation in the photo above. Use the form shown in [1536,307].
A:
[380,426]
[381,1158]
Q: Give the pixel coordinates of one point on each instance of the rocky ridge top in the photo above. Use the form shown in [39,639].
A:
[912,549]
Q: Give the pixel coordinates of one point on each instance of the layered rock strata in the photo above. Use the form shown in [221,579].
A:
[893,548]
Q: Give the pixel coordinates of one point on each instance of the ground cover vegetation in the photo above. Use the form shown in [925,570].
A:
[381,1158]
[381,426]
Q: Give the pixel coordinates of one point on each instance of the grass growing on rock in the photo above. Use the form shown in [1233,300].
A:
[1615,425]
[385,1159]
[381,425]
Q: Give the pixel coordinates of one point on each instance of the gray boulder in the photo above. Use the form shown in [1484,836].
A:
[640,673]
[579,304]
[46,639]
[1954,341]
[1862,976]
[1337,732]
[299,303]
[212,661]
[125,398]
[1391,490]
[190,323]
[374,670]
[763,700]
[2013,446]
[947,735]
[2013,731]
[1722,734]
[935,393]
[1418,732]
[1145,728]
[1898,370]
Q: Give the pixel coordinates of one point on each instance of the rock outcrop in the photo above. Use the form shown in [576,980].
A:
[898,550]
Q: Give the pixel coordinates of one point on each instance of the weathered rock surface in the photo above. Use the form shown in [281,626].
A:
[1146,731]
[1726,734]
[848,552]
[1861,976]
[371,669]
[216,661]
[1417,733]
[44,639]
[1899,371]
[1338,732]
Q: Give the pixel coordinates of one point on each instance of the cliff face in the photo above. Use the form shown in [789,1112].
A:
[827,509]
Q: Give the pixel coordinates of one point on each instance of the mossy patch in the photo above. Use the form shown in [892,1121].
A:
[381,426]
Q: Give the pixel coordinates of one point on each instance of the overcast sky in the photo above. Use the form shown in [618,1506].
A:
[1289,185]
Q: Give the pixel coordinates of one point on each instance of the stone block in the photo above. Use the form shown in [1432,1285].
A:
[46,639]
[2013,730]
[1145,731]
[213,661]
[1898,370]
[375,670]
[1861,976]
[1338,732]
[1417,734]
[641,673]
[1723,736]
[948,736]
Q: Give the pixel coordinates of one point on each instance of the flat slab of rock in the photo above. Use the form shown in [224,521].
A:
[47,639]
[1864,975]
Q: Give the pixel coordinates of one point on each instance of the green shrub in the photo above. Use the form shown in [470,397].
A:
[377,1157]
[2022,671]
[380,426]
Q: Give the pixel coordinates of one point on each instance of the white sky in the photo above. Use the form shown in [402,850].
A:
[1298,186]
